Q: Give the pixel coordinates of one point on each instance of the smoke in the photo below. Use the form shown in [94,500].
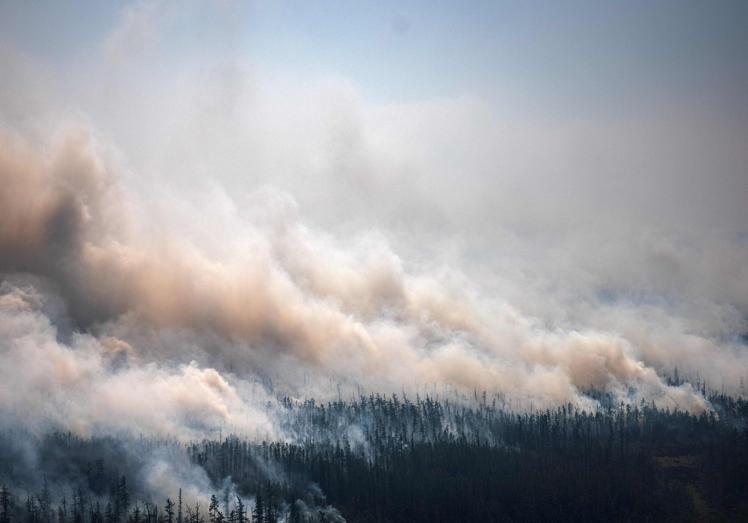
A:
[283,298]
[95,386]
[221,234]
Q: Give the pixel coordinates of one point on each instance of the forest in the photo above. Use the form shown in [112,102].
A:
[400,459]
[373,261]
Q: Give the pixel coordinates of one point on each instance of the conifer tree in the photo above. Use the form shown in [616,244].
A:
[169,511]
[4,505]
[62,511]
[271,515]
[45,503]
[214,513]
[294,515]
[258,514]
[240,514]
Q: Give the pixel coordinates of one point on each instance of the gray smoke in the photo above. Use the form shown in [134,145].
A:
[222,234]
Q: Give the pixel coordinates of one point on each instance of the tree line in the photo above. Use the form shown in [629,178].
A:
[391,458]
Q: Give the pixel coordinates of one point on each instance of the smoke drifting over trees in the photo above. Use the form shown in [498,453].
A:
[105,303]
[195,243]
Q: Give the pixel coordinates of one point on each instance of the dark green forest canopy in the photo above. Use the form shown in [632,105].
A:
[391,459]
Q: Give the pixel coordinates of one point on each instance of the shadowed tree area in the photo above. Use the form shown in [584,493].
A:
[392,459]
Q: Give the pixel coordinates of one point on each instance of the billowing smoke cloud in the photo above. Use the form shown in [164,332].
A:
[333,242]
[93,386]
[283,299]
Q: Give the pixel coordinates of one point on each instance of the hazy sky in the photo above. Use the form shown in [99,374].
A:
[567,56]
[533,198]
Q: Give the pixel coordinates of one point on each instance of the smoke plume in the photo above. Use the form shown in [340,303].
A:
[95,308]
[221,234]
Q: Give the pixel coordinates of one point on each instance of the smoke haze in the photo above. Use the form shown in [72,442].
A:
[210,231]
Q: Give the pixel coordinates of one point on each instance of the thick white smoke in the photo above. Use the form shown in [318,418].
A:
[97,385]
[282,299]
[209,236]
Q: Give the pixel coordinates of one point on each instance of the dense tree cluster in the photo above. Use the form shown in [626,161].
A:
[395,459]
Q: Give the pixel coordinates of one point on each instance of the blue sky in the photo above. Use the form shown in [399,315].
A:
[594,54]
